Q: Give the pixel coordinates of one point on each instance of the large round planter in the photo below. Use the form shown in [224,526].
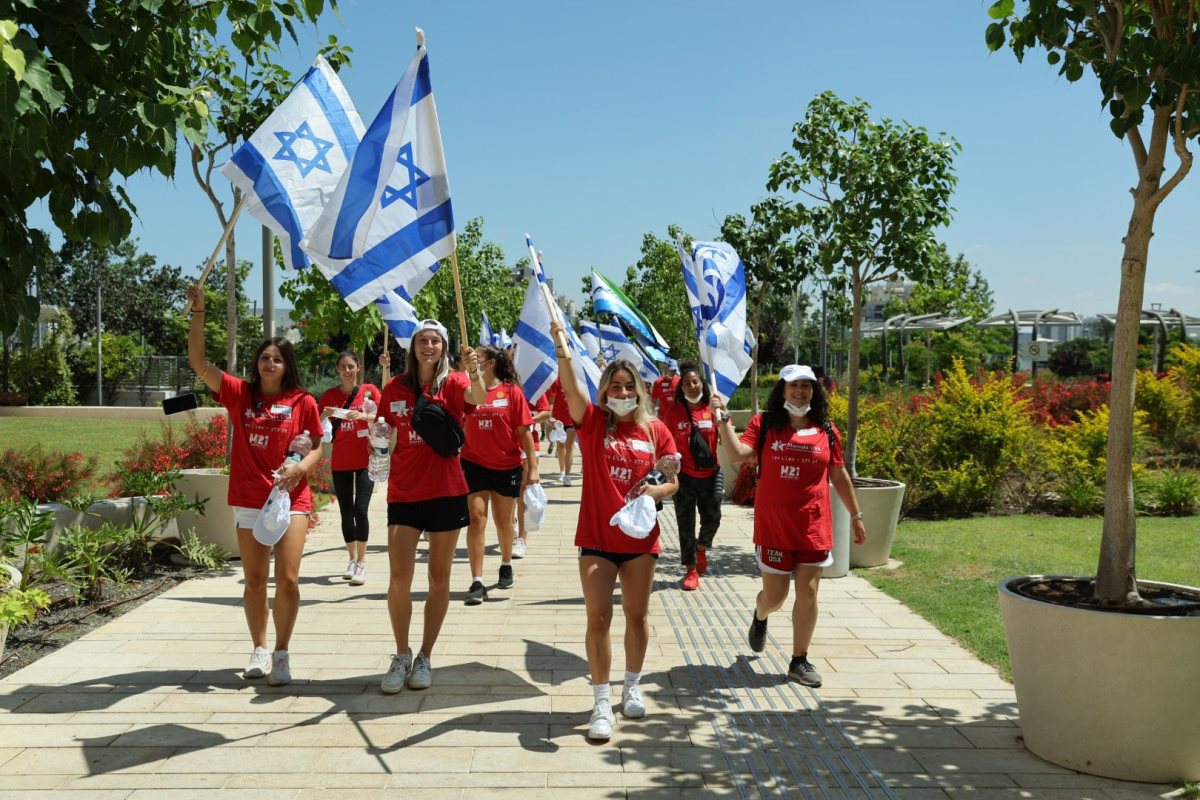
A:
[1106,693]
[880,506]
[840,567]
[216,524]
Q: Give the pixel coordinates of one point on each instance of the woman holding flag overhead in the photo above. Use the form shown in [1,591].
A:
[426,490]
[620,442]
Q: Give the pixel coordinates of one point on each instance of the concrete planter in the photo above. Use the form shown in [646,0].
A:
[880,506]
[1106,693]
[216,524]
[117,510]
[14,579]
[840,567]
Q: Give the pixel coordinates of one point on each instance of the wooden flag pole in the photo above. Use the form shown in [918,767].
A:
[462,314]
[560,340]
[237,210]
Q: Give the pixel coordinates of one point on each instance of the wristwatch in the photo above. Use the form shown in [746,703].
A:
[722,416]
[855,517]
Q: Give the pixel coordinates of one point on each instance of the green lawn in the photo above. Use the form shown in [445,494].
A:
[951,568]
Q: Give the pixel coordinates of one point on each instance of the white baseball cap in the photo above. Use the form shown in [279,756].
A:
[796,372]
[432,325]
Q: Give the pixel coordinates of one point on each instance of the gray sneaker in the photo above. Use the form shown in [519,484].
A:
[397,673]
[803,672]
[421,676]
[281,671]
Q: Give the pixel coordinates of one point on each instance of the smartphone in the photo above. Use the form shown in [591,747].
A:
[184,402]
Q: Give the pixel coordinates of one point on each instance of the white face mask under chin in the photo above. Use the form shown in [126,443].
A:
[798,411]
[694,398]
[621,405]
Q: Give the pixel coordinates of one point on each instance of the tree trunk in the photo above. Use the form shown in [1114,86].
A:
[756,327]
[850,450]
[1116,579]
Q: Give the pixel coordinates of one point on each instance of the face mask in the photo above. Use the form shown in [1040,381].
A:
[621,405]
[696,398]
[796,410]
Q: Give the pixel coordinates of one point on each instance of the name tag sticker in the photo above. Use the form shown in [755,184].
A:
[640,446]
[282,410]
[362,434]
[341,413]
[500,402]
[398,406]
[704,423]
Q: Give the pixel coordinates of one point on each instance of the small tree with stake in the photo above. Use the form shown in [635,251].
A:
[1146,55]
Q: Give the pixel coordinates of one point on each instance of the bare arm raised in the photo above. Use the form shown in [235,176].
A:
[197,359]
[577,401]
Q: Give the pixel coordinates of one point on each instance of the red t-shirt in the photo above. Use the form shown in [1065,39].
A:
[663,390]
[675,417]
[417,472]
[350,448]
[539,405]
[612,463]
[791,503]
[263,427]
[561,410]
[492,428]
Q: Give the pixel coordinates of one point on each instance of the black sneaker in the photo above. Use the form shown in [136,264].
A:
[758,633]
[801,671]
[506,577]
[476,594]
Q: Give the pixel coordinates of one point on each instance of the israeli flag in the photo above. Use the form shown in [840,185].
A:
[726,341]
[615,344]
[608,297]
[690,285]
[294,160]
[502,339]
[399,315]
[389,221]
[589,335]
[486,336]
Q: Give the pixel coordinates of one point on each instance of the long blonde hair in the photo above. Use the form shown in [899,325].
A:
[641,415]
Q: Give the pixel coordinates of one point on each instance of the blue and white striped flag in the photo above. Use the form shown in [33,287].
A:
[400,316]
[294,160]
[390,220]
[487,336]
[615,344]
[502,339]
[690,286]
[589,335]
[726,341]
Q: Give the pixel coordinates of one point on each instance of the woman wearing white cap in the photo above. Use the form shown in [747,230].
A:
[621,442]
[799,454]
[426,493]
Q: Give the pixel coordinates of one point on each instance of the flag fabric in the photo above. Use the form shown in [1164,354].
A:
[608,297]
[690,285]
[486,336]
[615,344]
[726,340]
[502,339]
[294,160]
[400,316]
[389,221]
[589,336]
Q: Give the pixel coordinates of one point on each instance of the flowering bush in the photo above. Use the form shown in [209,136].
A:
[1164,403]
[1052,402]
[44,477]
[321,477]
[202,444]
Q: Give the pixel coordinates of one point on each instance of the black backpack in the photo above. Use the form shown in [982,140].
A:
[702,454]
[435,425]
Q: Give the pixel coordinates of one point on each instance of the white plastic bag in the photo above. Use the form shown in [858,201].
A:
[272,522]
[327,430]
[558,433]
[637,517]
[535,506]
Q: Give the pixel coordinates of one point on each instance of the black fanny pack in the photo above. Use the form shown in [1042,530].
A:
[435,425]
[702,454]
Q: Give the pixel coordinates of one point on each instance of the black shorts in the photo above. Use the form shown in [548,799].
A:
[438,514]
[616,558]
[505,482]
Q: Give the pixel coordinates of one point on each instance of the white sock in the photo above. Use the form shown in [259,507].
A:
[602,692]
[477,579]
[506,563]
[632,678]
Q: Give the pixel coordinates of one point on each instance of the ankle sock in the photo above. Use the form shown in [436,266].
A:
[602,692]
[632,678]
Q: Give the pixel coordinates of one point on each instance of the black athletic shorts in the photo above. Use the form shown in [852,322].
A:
[438,514]
[505,482]
[616,558]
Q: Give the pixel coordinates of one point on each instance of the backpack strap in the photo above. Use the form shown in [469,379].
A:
[337,421]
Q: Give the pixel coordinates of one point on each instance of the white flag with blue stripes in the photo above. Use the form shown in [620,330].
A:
[615,344]
[502,339]
[294,160]
[389,221]
[589,335]
[399,315]
[726,341]
[487,337]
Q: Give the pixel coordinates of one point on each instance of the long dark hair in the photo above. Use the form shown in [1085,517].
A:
[776,417]
[504,368]
[411,377]
[684,368]
[291,372]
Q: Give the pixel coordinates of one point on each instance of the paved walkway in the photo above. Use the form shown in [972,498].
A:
[153,705]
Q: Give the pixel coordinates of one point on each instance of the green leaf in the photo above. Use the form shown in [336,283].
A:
[1001,9]
[8,29]
[15,60]
[201,108]
[1053,57]
[994,36]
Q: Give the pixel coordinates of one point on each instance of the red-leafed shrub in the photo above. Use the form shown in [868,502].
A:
[44,477]
[321,478]
[1052,403]
[201,444]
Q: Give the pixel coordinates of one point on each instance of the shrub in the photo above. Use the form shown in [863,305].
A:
[202,444]
[1187,376]
[1174,492]
[1052,402]
[46,375]
[44,477]
[1164,403]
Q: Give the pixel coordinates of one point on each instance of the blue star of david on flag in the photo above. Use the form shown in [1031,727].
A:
[306,165]
[415,179]
[609,352]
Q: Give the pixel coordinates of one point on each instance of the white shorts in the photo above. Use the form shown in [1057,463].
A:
[784,562]
[244,517]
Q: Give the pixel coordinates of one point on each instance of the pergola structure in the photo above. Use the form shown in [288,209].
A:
[1162,322]
[1035,319]
[905,324]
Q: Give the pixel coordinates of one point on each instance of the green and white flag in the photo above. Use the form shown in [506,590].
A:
[608,297]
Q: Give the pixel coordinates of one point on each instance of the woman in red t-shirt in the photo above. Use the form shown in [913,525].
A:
[426,493]
[266,413]
[565,450]
[540,411]
[353,408]
[620,442]
[498,460]
[699,487]
[799,454]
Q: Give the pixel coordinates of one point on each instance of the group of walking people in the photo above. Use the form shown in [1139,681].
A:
[621,439]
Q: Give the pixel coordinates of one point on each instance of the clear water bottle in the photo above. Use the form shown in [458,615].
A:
[300,446]
[379,435]
[664,470]
[369,407]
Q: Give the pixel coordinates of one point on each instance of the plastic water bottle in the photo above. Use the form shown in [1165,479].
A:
[664,470]
[369,407]
[379,435]
[300,446]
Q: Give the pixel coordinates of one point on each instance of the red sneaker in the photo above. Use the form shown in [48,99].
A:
[701,561]
[691,581]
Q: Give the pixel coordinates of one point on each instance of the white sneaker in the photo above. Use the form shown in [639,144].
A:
[349,573]
[360,574]
[281,672]
[600,726]
[397,673]
[566,479]
[260,662]
[563,478]
[421,676]
[633,705]
[518,548]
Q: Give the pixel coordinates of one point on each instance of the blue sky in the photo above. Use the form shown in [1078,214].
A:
[590,124]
